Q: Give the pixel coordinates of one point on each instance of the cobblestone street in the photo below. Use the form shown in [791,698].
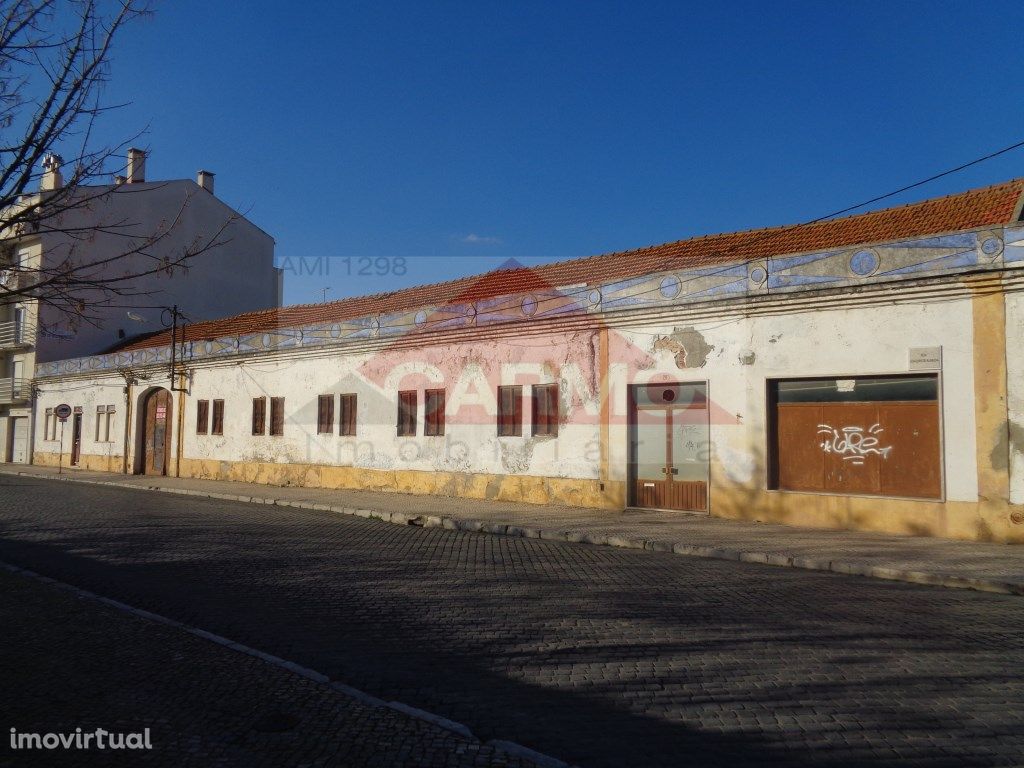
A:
[69,662]
[597,656]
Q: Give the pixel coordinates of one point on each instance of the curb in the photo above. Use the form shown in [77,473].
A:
[846,568]
[510,747]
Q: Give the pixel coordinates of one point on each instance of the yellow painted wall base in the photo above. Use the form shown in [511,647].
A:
[521,488]
[973,521]
[89,461]
[969,521]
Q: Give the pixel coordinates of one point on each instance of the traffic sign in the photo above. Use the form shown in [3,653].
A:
[62,411]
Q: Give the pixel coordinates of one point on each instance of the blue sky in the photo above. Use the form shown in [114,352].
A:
[455,136]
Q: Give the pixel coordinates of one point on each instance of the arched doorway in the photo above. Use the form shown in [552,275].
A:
[155,442]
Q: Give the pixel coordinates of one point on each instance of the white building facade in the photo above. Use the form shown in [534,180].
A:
[803,375]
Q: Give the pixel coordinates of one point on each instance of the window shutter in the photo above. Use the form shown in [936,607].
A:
[259,415]
[202,416]
[407,413]
[544,399]
[277,416]
[553,409]
[510,411]
[347,424]
[434,412]
[325,415]
[218,418]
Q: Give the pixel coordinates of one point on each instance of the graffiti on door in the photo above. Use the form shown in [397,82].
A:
[853,443]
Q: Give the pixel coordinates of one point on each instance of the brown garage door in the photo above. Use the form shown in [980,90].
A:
[883,447]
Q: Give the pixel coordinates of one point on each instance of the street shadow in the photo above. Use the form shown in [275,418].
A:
[599,656]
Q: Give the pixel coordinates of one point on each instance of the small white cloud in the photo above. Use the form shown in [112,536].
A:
[475,239]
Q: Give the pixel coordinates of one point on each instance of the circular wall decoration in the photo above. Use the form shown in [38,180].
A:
[992,246]
[266,340]
[670,286]
[421,317]
[864,262]
[669,395]
[208,347]
[335,331]
[529,306]
[595,297]
[758,275]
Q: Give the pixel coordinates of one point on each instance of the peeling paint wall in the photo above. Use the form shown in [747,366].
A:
[746,352]
[735,354]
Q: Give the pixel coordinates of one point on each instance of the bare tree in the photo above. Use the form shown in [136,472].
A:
[54,63]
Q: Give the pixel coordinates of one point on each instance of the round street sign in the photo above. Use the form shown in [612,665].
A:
[62,411]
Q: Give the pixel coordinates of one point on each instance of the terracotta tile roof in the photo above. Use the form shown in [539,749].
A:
[988,206]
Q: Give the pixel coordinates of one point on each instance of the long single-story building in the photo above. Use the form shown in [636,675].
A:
[864,372]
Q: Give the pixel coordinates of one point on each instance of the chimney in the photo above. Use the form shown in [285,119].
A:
[52,178]
[205,180]
[136,166]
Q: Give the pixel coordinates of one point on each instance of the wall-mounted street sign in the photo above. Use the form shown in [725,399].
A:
[62,411]
[924,359]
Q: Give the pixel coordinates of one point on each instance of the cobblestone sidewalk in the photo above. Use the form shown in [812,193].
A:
[922,560]
[70,662]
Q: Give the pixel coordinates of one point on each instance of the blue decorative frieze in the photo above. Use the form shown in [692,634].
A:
[1013,248]
[993,248]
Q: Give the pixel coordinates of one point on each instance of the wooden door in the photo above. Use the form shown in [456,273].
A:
[76,438]
[669,446]
[156,440]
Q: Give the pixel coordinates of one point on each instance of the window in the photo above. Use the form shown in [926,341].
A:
[259,415]
[104,421]
[407,412]
[510,411]
[49,426]
[545,409]
[870,435]
[347,421]
[217,427]
[433,412]
[202,416]
[277,416]
[325,415]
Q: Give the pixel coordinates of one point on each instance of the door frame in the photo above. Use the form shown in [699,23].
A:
[631,423]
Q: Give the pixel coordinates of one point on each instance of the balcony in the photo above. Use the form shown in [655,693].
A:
[14,335]
[14,391]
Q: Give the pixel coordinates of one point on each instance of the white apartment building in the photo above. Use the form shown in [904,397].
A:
[238,275]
